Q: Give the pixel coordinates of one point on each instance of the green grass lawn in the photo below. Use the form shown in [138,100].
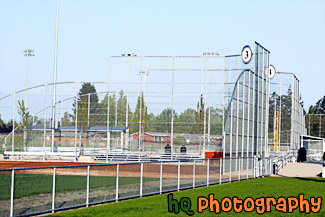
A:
[32,184]
[266,187]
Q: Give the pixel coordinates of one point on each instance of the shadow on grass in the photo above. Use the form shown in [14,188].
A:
[310,179]
[315,179]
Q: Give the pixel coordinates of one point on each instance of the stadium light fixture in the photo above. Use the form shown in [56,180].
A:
[210,54]
[129,54]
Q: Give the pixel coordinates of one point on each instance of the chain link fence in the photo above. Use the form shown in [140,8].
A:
[32,191]
[286,114]
[203,106]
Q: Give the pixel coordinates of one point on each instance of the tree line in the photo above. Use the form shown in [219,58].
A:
[189,121]
[315,121]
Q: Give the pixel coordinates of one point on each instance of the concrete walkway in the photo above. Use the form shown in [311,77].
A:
[302,170]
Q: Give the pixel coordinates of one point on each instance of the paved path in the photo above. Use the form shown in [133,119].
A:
[302,170]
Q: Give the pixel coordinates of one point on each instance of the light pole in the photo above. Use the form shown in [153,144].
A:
[28,53]
[54,77]
[142,73]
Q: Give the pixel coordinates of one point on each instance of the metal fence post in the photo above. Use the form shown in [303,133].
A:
[88,173]
[160,181]
[76,129]
[141,179]
[220,169]
[194,174]
[208,171]
[254,167]
[117,175]
[178,175]
[53,190]
[230,167]
[12,193]
[247,168]
[239,166]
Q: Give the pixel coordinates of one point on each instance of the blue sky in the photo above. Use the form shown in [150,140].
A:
[90,31]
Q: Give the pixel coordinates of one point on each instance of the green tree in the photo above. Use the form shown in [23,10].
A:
[134,126]
[88,95]
[319,108]
[24,118]
[163,121]
[186,122]
[315,121]
[122,108]
[116,117]
[285,113]
[83,115]
[215,120]
[104,109]
[199,116]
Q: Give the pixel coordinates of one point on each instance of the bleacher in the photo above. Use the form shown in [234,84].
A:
[133,157]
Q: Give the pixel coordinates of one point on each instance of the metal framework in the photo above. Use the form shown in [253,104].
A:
[211,105]
[286,116]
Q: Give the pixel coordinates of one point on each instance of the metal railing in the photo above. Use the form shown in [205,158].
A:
[279,164]
[38,190]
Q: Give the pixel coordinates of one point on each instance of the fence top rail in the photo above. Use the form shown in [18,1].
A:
[122,163]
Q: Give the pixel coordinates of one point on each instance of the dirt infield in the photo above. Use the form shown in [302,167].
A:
[170,170]
[27,164]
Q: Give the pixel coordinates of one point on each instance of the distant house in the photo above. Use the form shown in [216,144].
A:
[152,137]
[66,134]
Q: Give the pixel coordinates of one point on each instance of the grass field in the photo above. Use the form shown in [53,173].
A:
[32,184]
[266,187]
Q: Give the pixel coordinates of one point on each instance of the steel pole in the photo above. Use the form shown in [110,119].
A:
[172,121]
[26,81]
[140,115]
[44,130]
[243,115]
[280,116]
[209,107]
[178,175]
[141,179]
[223,112]
[54,77]
[116,101]
[194,174]
[127,106]
[75,130]
[13,128]
[12,193]
[117,179]
[108,134]
[53,190]
[204,111]
[88,112]
[208,172]
[88,183]
[160,180]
